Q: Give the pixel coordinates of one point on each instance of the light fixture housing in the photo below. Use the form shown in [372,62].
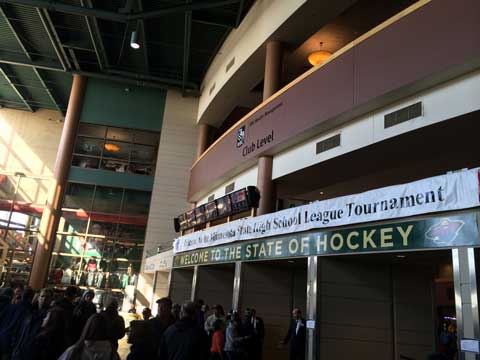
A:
[318,57]
[134,44]
[112,147]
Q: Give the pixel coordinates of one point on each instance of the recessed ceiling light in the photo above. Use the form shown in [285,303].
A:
[134,40]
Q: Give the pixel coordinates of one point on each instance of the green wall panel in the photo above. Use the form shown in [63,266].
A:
[110,178]
[116,104]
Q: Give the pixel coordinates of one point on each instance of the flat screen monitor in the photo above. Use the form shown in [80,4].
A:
[211,210]
[182,220]
[224,206]
[190,218]
[200,215]
[239,200]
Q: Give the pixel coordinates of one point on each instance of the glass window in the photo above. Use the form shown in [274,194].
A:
[117,150]
[7,187]
[78,196]
[143,154]
[119,134]
[132,232]
[71,245]
[88,146]
[147,138]
[136,203]
[101,228]
[85,162]
[92,130]
[32,191]
[115,165]
[71,223]
[141,169]
[107,200]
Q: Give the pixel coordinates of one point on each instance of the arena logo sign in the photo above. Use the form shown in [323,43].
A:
[429,233]
[441,193]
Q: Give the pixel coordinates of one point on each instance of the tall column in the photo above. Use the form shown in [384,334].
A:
[466,299]
[202,142]
[193,295]
[273,69]
[271,83]
[237,285]
[265,185]
[52,211]
[313,337]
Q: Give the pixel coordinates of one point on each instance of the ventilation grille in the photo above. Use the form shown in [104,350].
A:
[229,65]
[328,144]
[211,198]
[403,115]
[229,188]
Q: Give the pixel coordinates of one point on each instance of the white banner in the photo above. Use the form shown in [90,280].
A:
[455,191]
[159,262]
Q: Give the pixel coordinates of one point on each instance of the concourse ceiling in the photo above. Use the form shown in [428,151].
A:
[43,41]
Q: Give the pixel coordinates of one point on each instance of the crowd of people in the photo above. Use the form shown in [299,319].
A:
[46,325]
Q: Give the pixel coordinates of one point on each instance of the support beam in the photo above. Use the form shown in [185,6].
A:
[239,14]
[50,95]
[186,47]
[12,29]
[144,38]
[14,88]
[237,285]
[94,33]
[51,25]
[118,17]
[53,38]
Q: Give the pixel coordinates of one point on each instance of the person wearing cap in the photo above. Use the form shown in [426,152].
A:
[218,314]
[82,312]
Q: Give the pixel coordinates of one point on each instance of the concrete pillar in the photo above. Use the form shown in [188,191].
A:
[265,185]
[193,294]
[273,69]
[313,338]
[202,142]
[237,285]
[52,210]
[466,299]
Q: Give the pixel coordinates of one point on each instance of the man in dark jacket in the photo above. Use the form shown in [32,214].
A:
[296,336]
[82,312]
[254,329]
[185,340]
[162,321]
[66,304]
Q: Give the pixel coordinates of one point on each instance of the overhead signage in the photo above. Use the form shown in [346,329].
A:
[448,192]
[431,233]
[159,262]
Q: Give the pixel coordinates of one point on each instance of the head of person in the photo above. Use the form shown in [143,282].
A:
[199,304]
[218,310]
[248,312]
[297,314]
[146,313]
[27,294]
[188,311]
[88,296]
[176,310]
[55,321]
[253,312]
[45,298]
[17,293]
[70,293]
[164,307]
[111,305]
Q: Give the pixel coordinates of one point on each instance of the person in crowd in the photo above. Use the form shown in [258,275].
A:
[51,341]
[30,325]
[296,336]
[94,343]
[82,312]
[142,338]
[67,304]
[200,312]
[254,328]
[185,340]
[6,297]
[11,321]
[146,313]
[218,314]
[218,340]
[234,343]
[115,325]
[163,320]
[176,311]
[17,294]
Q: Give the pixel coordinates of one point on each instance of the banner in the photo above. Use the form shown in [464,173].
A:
[448,192]
[431,233]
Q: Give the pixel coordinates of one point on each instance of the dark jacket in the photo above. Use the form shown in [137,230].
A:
[143,340]
[68,307]
[81,313]
[115,327]
[184,341]
[296,339]
[29,328]
[10,324]
[159,328]
[47,346]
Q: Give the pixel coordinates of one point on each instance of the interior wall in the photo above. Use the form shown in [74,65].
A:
[181,285]
[273,289]
[355,310]
[215,285]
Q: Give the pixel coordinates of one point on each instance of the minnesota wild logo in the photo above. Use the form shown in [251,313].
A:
[444,232]
[241,136]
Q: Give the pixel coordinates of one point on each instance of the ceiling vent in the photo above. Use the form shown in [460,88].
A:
[328,144]
[403,115]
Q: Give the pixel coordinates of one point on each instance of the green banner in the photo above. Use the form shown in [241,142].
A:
[431,233]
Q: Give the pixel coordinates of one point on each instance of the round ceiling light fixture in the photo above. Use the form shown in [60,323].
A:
[318,57]
[134,44]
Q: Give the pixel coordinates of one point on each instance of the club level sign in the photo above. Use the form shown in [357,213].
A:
[431,233]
